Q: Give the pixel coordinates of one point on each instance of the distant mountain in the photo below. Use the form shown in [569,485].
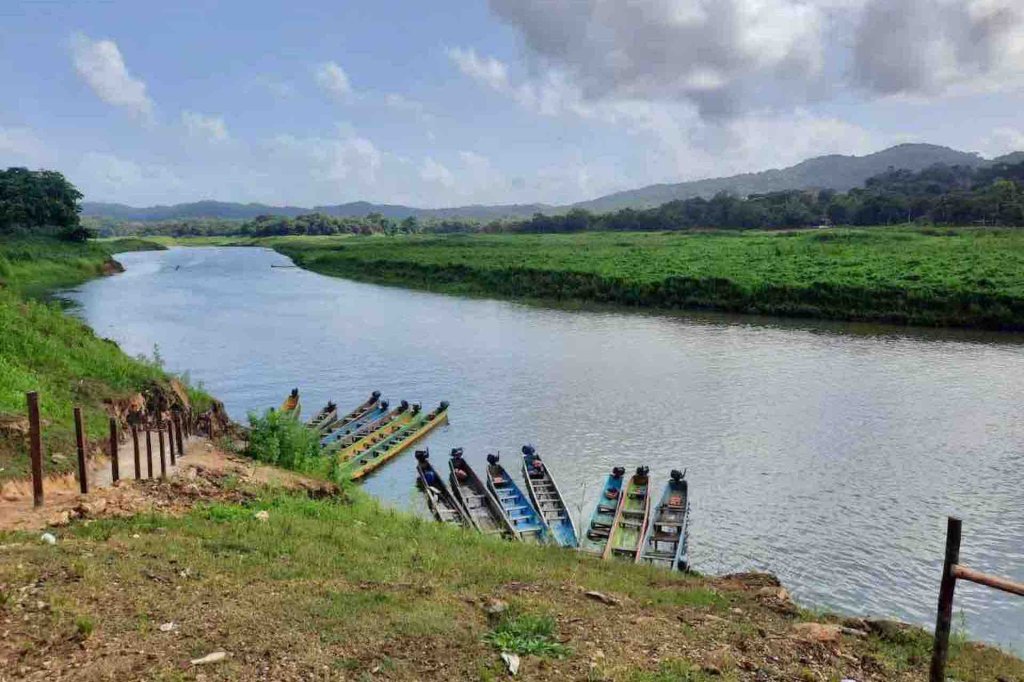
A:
[823,172]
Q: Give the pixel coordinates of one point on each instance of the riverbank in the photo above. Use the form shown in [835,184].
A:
[965,277]
[45,350]
[358,591]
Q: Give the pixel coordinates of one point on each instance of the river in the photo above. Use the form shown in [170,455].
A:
[825,453]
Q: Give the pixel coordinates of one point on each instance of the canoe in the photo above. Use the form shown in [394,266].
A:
[395,444]
[518,511]
[324,418]
[357,413]
[481,505]
[631,522]
[547,499]
[347,439]
[442,503]
[340,432]
[291,406]
[599,528]
[665,543]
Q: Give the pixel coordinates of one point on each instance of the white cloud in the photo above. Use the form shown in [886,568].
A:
[101,66]
[101,175]
[1003,140]
[21,146]
[345,158]
[332,78]
[210,128]
[434,172]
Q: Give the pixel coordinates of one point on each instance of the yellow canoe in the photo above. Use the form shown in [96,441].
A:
[397,443]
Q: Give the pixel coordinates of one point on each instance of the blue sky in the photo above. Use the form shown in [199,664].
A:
[447,103]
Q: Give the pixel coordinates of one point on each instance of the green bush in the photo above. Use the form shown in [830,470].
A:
[280,439]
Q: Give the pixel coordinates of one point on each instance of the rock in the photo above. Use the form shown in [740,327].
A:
[495,607]
[62,518]
[780,594]
[603,598]
[818,632]
[263,516]
[853,632]
[92,507]
[511,662]
[48,538]
[58,458]
[215,657]
[169,627]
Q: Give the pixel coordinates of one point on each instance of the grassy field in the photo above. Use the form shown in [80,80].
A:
[43,349]
[344,589]
[948,277]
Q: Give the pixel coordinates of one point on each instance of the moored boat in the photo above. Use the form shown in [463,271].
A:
[598,532]
[324,418]
[370,439]
[521,515]
[339,431]
[370,460]
[631,522]
[291,406]
[443,505]
[547,499]
[665,543]
[371,424]
[359,412]
[484,512]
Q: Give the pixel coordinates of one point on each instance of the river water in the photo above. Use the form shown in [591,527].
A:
[827,454]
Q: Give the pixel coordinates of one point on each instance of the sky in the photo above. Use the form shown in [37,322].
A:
[455,102]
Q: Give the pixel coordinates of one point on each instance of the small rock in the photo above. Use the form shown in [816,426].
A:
[602,597]
[58,458]
[136,536]
[169,627]
[511,662]
[737,611]
[263,516]
[818,632]
[495,607]
[853,632]
[62,518]
[41,606]
[215,657]
[48,538]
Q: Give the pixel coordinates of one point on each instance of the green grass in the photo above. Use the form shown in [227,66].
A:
[526,635]
[45,350]
[951,277]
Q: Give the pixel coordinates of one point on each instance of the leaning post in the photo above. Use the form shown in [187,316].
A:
[35,437]
[944,620]
[83,481]
[115,464]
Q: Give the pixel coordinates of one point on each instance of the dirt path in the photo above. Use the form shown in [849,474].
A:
[63,501]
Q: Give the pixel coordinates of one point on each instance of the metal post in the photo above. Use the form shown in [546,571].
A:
[944,620]
[35,438]
[177,432]
[149,453]
[135,449]
[163,459]
[83,481]
[115,464]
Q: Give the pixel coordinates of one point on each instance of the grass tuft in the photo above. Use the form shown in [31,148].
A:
[527,635]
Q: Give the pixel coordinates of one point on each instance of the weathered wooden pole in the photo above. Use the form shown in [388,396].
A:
[135,451]
[177,431]
[170,439]
[115,463]
[35,439]
[944,620]
[83,481]
[163,459]
[149,453]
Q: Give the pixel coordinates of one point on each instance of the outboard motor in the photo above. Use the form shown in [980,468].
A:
[403,406]
[383,404]
[444,404]
[528,450]
[416,408]
[295,393]
[492,459]
[677,475]
[642,471]
[618,472]
[456,452]
[422,455]
[331,406]
[375,395]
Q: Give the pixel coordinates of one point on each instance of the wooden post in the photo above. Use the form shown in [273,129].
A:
[149,453]
[177,432]
[115,463]
[83,481]
[170,438]
[35,438]
[944,620]
[135,448]
[163,459]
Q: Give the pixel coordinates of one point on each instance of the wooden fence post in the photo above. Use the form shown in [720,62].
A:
[149,452]
[944,620]
[177,431]
[135,450]
[115,457]
[83,480]
[170,439]
[163,459]
[35,438]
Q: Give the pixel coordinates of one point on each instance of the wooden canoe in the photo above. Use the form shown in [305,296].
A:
[359,412]
[392,446]
[547,499]
[598,532]
[518,511]
[327,415]
[443,505]
[291,406]
[631,521]
[665,543]
[356,432]
[478,501]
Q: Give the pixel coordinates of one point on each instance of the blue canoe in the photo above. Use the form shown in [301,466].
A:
[521,515]
[547,499]
[354,425]
[666,543]
[598,532]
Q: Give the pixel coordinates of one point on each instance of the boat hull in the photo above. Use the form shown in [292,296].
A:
[548,501]
[520,514]
[631,522]
[478,501]
[598,532]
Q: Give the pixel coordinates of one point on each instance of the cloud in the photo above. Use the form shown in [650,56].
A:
[336,160]
[21,146]
[1002,140]
[210,128]
[332,78]
[434,172]
[931,47]
[103,175]
[101,66]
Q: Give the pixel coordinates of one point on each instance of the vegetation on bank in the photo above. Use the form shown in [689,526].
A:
[355,590]
[36,202]
[43,349]
[936,277]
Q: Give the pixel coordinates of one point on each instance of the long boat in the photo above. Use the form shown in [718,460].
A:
[370,439]
[365,426]
[598,533]
[547,499]
[291,406]
[443,505]
[631,522]
[339,432]
[484,511]
[528,524]
[358,412]
[324,418]
[665,541]
[395,444]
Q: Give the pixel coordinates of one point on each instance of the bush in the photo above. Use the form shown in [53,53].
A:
[282,440]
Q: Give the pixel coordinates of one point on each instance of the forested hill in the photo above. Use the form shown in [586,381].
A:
[824,172]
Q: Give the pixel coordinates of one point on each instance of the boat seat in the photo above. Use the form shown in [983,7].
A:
[605,509]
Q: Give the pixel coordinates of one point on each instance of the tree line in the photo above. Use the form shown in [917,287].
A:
[40,202]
